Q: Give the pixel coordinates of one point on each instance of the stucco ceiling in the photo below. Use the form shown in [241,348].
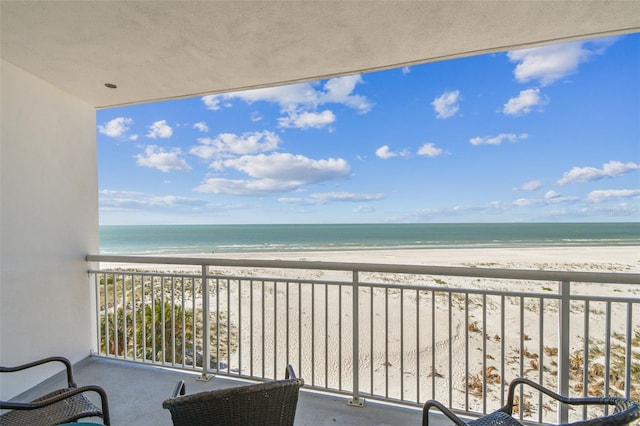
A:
[156,50]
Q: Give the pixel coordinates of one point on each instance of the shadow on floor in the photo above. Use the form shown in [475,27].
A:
[136,393]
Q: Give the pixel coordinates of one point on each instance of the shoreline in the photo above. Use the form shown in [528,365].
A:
[590,258]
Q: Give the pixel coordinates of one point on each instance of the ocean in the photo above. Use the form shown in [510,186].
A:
[201,239]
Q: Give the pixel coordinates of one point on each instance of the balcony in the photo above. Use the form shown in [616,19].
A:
[136,393]
[410,333]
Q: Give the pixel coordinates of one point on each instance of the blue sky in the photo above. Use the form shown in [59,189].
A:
[548,134]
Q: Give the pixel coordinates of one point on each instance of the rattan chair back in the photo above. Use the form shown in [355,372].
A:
[269,403]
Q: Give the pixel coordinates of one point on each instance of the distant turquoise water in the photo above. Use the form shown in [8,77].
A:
[200,239]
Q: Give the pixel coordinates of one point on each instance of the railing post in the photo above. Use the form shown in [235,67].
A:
[96,291]
[629,360]
[564,348]
[356,401]
[206,329]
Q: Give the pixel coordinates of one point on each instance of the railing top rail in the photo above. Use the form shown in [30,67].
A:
[516,274]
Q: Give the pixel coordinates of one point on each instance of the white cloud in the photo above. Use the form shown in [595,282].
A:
[548,64]
[324,198]
[446,105]
[306,120]
[340,90]
[121,203]
[212,102]
[202,126]
[449,213]
[347,196]
[532,185]
[599,196]
[551,195]
[155,157]
[302,96]
[364,208]
[524,103]
[557,199]
[278,172]
[140,200]
[116,128]
[299,201]
[526,202]
[588,174]
[550,198]
[228,144]
[160,129]
[288,97]
[284,166]
[497,140]
[385,153]
[245,186]
[430,150]
[175,201]
[123,193]
[406,70]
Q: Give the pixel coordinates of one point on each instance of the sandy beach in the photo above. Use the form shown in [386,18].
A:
[587,259]
[404,360]
[610,258]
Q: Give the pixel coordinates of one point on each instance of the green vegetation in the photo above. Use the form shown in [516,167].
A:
[163,333]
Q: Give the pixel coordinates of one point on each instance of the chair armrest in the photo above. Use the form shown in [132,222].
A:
[63,360]
[432,403]
[508,408]
[290,373]
[180,389]
[626,410]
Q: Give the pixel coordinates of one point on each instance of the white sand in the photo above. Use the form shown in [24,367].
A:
[620,259]
[381,350]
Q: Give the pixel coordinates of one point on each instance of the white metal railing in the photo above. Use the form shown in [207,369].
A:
[399,333]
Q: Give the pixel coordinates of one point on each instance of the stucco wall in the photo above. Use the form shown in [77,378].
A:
[49,222]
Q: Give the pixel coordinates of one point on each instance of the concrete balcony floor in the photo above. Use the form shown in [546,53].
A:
[136,393]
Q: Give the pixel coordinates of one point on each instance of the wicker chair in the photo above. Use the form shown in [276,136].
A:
[624,412]
[270,403]
[60,406]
